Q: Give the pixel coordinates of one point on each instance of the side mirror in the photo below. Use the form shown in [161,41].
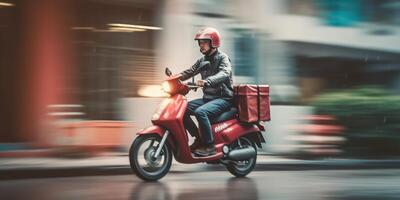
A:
[203,65]
[168,71]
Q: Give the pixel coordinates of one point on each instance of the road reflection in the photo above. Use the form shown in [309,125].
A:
[150,191]
[235,188]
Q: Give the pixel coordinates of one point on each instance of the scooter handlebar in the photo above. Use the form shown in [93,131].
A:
[192,86]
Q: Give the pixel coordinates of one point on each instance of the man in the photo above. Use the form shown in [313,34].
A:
[217,88]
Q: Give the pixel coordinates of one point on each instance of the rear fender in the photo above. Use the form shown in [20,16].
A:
[256,137]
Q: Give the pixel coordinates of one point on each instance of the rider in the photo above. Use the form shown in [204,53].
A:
[217,88]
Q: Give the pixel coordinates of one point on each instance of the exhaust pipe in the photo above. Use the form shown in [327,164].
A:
[242,154]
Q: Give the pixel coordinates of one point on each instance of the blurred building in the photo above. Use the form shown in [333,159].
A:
[72,60]
[301,48]
[99,57]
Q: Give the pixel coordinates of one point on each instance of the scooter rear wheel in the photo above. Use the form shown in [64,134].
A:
[244,167]
[141,159]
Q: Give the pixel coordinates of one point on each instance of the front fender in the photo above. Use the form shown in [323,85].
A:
[157,130]
[152,130]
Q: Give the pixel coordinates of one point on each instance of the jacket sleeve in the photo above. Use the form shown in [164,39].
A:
[192,71]
[225,69]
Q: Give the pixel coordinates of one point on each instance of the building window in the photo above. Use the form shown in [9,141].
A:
[245,60]
[115,42]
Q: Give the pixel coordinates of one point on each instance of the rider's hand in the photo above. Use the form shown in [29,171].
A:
[201,83]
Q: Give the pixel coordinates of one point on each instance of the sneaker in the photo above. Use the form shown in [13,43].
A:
[205,151]
[195,145]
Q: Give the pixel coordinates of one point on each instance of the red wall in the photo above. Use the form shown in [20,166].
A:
[47,63]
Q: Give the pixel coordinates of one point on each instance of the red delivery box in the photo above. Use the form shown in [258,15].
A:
[252,102]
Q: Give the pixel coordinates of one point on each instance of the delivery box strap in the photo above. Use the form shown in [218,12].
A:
[258,103]
[236,98]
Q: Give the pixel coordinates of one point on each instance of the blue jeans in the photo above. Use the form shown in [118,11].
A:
[204,110]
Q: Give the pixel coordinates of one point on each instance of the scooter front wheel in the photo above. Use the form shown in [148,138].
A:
[142,160]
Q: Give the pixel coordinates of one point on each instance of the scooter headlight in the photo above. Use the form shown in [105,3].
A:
[166,87]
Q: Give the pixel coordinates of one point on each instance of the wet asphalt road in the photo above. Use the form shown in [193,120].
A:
[307,185]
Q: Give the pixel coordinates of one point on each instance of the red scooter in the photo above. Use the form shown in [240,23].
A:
[151,152]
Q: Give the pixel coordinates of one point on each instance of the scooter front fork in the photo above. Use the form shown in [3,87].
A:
[160,146]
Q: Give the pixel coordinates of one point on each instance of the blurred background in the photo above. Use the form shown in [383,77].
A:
[82,76]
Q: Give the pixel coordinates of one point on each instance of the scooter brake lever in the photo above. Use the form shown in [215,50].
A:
[191,84]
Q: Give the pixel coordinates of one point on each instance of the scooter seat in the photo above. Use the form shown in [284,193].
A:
[230,114]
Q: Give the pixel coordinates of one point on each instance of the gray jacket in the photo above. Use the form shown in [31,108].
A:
[218,76]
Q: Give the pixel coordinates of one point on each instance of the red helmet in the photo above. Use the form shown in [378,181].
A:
[209,33]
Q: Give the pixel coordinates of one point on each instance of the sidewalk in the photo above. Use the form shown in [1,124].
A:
[18,168]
